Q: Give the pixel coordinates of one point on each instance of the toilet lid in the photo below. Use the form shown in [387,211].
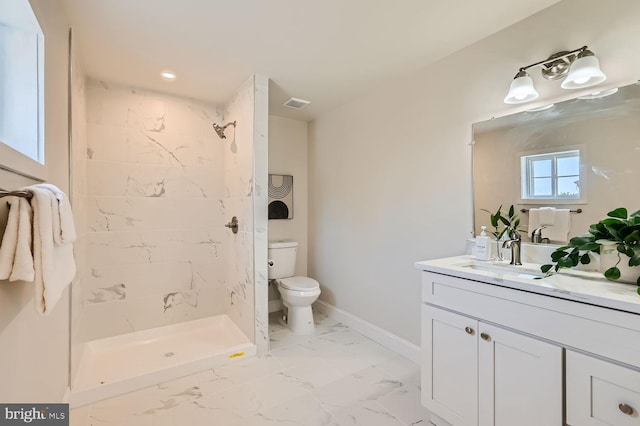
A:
[299,283]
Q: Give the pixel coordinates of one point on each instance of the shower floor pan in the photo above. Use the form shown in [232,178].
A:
[120,364]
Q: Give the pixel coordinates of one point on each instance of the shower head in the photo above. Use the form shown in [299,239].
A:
[220,129]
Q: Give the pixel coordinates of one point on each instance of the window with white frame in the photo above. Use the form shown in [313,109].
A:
[21,85]
[551,176]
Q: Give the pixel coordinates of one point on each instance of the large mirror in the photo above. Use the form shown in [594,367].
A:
[581,155]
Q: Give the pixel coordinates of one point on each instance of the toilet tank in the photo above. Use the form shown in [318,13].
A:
[282,258]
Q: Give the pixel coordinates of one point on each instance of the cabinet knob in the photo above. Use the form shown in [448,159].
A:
[469,330]
[626,409]
[485,336]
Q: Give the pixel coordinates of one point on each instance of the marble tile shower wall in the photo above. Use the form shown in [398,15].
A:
[155,211]
[239,183]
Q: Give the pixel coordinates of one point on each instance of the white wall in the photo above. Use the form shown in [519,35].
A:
[34,356]
[288,156]
[390,173]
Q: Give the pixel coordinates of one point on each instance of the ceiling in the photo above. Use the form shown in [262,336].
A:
[325,51]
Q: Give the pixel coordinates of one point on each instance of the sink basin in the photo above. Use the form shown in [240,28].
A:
[529,271]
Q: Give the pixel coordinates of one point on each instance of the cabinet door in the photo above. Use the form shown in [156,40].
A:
[520,379]
[450,366]
[600,393]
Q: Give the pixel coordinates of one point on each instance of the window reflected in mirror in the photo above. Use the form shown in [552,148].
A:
[550,176]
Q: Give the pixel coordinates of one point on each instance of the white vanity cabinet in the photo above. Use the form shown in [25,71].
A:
[600,393]
[480,374]
[495,355]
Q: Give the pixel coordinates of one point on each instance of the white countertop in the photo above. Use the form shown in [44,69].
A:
[586,287]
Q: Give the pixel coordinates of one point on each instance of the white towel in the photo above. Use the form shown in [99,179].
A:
[55,266]
[16,259]
[64,230]
[23,268]
[10,239]
[547,216]
[558,231]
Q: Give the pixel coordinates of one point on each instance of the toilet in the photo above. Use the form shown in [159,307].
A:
[298,293]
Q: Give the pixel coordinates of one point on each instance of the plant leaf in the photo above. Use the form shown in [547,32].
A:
[512,211]
[557,255]
[633,237]
[611,221]
[565,262]
[635,260]
[620,212]
[578,241]
[612,273]
[589,247]
[575,257]
[546,268]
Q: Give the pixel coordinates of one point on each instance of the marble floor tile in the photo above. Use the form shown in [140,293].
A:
[400,367]
[367,413]
[335,377]
[404,403]
[301,411]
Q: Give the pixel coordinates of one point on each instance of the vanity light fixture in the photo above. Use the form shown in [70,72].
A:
[579,68]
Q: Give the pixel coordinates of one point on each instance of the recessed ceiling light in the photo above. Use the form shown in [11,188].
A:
[168,75]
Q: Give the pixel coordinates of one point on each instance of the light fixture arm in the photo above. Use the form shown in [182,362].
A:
[582,51]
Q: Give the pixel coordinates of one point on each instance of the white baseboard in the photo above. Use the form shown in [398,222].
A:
[373,332]
[275,305]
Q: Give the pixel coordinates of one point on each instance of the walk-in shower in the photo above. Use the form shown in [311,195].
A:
[164,288]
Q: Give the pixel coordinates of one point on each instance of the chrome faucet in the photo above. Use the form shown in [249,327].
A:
[513,243]
[536,236]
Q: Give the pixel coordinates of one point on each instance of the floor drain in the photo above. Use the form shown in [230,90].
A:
[169,354]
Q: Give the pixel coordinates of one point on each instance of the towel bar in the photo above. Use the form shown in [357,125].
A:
[572,211]
[25,194]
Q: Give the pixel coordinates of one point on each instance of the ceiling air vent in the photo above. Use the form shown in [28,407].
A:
[296,103]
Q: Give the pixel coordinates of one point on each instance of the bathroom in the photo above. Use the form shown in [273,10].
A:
[382,171]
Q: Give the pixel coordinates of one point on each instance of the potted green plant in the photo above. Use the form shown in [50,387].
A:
[510,224]
[618,229]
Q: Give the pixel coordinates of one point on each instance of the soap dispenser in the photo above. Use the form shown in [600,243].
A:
[483,249]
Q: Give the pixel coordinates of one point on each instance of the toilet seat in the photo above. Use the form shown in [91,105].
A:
[299,283]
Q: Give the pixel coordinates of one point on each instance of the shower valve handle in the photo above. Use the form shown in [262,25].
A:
[233,225]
